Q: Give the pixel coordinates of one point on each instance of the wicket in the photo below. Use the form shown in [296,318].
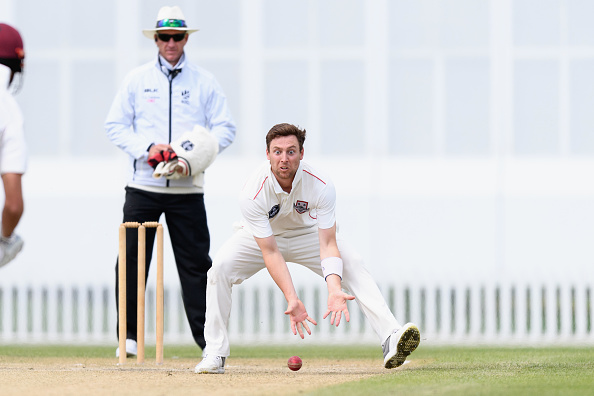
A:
[141,289]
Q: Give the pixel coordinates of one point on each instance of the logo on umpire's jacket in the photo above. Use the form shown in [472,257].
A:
[185,97]
[274,211]
[301,207]
[187,145]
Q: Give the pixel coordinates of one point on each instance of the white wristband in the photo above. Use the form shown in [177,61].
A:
[332,265]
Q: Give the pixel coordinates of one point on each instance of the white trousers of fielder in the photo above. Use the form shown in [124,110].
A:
[240,258]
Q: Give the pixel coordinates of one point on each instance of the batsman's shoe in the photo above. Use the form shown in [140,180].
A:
[131,348]
[9,248]
[211,364]
[400,344]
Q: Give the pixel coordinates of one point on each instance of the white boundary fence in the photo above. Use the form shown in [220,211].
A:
[536,313]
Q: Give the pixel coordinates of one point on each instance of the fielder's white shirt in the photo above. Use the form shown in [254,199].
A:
[268,210]
[13,149]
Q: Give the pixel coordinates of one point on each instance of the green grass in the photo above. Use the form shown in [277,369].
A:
[434,371]
[485,371]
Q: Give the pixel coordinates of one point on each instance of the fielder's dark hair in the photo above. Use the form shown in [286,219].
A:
[285,130]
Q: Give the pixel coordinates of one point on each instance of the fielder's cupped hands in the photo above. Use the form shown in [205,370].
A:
[337,305]
[299,317]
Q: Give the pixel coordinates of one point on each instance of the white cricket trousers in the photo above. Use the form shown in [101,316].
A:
[240,258]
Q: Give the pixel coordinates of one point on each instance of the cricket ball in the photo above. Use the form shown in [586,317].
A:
[294,363]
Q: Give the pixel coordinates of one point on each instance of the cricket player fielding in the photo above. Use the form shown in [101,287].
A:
[288,211]
[13,148]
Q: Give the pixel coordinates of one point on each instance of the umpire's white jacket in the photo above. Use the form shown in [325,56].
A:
[157,105]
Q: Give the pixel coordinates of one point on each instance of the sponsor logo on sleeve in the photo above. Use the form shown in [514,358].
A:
[274,211]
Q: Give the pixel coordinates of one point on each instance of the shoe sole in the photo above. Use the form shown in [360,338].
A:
[408,342]
[219,371]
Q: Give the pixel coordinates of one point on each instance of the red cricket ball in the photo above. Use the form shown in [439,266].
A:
[294,363]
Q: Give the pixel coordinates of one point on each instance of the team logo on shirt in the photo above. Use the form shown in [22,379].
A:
[274,211]
[301,207]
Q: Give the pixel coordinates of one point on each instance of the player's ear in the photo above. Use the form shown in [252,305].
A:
[155,37]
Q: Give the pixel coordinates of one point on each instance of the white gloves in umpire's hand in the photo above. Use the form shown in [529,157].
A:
[167,169]
[194,151]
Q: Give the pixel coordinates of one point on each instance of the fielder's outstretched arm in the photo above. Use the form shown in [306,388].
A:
[332,269]
[277,267]
[13,204]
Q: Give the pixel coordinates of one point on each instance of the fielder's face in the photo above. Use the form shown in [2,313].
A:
[284,156]
[171,50]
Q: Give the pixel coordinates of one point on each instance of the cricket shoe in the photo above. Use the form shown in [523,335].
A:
[400,344]
[211,364]
[9,248]
[131,348]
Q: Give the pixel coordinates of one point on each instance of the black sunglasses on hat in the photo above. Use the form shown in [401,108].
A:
[166,37]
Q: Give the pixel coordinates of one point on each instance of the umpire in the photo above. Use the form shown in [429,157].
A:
[157,103]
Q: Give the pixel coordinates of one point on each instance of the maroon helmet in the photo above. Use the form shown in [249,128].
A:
[12,52]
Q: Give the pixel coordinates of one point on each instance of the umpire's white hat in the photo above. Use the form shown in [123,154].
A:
[169,18]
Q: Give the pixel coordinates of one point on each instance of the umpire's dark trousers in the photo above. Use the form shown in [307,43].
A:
[186,220]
